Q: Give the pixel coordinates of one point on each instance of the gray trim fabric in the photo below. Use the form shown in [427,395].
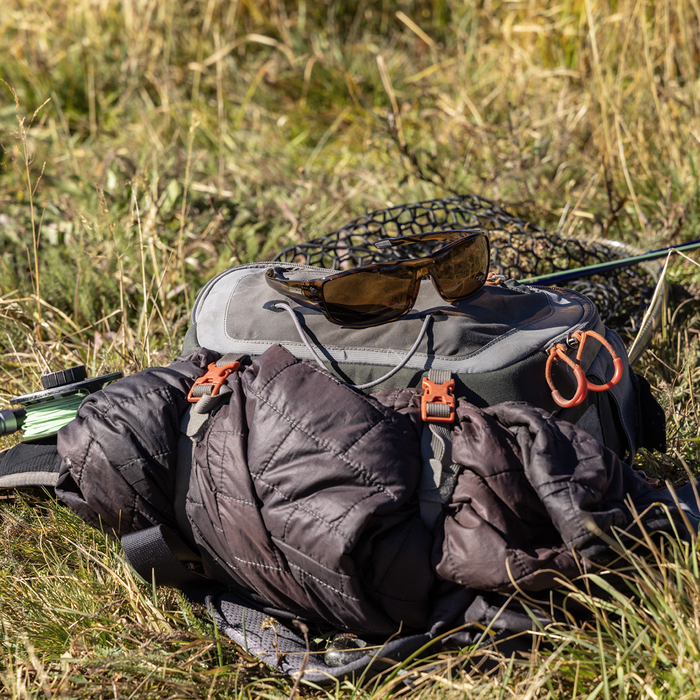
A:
[28,479]
[280,647]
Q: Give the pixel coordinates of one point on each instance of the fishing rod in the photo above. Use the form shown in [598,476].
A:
[587,271]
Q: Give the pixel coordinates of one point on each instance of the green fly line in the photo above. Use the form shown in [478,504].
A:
[47,417]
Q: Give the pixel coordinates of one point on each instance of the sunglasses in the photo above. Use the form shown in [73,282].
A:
[370,295]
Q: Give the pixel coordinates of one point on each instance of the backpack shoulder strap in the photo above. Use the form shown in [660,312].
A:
[281,647]
[204,401]
[29,465]
[439,472]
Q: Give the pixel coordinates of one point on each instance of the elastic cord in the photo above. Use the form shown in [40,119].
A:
[426,323]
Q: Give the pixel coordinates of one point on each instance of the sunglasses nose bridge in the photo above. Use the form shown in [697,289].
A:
[423,271]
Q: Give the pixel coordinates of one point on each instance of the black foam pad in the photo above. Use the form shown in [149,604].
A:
[29,464]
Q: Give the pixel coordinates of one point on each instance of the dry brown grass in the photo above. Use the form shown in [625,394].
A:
[182,138]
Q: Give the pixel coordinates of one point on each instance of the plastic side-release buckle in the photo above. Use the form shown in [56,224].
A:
[437,405]
[214,377]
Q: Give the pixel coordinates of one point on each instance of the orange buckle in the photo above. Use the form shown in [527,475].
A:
[438,394]
[583,386]
[214,377]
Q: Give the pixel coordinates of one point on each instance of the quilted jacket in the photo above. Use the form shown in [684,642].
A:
[303,491]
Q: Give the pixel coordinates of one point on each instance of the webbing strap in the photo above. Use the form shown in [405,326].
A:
[157,553]
[183,469]
[191,428]
[199,413]
[439,473]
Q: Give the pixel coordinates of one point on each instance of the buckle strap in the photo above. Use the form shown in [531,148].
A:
[437,405]
[208,391]
[439,473]
[210,383]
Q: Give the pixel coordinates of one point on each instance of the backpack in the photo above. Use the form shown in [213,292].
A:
[509,342]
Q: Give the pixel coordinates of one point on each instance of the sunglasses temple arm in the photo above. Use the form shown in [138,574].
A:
[288,288]
[396,242]
[278,283]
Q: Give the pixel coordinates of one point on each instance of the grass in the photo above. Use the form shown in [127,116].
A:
[149,144]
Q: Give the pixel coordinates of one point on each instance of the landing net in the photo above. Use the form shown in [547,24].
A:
[519,250]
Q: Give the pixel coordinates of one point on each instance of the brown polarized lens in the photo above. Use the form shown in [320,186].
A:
[369,297]
[463,270]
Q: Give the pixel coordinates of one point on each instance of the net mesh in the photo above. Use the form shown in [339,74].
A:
[518,250]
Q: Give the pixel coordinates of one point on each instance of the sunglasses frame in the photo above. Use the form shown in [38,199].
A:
[312,289]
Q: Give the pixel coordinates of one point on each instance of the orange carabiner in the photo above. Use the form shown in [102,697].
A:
[617,364]
[558,352]
[583,386]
